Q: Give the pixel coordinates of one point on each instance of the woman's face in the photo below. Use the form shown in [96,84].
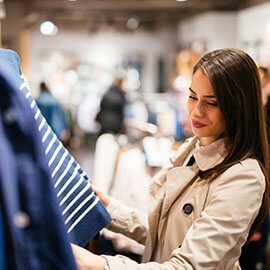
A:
[207,121]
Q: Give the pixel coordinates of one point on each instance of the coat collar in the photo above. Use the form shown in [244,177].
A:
[206,157]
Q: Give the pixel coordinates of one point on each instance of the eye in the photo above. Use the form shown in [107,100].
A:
[193,97]
[213,104]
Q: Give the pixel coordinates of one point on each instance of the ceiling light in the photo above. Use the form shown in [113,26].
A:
[181,0]
[48,28]
[133,23]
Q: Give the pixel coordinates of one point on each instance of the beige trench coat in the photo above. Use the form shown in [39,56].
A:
[193,224]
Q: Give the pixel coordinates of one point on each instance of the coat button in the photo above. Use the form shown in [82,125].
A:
[187,208]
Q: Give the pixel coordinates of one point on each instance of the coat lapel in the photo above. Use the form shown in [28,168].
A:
[178,179]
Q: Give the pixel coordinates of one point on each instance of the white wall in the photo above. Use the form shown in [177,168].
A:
[254,32]
[217,29]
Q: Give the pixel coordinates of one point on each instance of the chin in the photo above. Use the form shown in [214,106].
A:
[199,134]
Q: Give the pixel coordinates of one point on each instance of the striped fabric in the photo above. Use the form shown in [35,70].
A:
[83,213]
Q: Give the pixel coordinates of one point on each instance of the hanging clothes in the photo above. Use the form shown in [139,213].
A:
[35,237]
[130,175]
[106,152]
[2,243]
[83,213]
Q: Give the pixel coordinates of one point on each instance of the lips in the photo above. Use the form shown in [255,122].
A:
[197,124]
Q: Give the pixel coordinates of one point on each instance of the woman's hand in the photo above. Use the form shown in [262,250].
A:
[105,198]
[87,260]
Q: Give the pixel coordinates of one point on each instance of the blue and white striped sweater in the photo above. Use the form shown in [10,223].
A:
[83,213]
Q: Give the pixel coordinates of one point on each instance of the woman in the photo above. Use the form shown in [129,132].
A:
[205,207]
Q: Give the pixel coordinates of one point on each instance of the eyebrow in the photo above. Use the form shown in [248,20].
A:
[207,96]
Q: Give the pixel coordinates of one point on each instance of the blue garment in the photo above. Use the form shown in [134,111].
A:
[179,133]
[83,213]
[35,235]
[2,243]
[53,112]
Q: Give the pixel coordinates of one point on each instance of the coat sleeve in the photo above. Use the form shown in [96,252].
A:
[128,221]
[215,239]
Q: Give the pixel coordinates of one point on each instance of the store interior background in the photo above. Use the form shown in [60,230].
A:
[156,52]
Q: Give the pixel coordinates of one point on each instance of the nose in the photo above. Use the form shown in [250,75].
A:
[199,109]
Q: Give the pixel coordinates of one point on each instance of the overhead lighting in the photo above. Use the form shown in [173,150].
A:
[181,0]
[48,28]
[133,23]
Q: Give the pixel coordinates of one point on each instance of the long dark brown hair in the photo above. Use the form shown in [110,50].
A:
[234,77]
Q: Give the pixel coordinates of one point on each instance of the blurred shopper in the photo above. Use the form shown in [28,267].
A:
[253,256]
[54,113]
[111,114]
[204,207]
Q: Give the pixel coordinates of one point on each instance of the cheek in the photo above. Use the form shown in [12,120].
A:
[219,117]
[220,120]
[189,106]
